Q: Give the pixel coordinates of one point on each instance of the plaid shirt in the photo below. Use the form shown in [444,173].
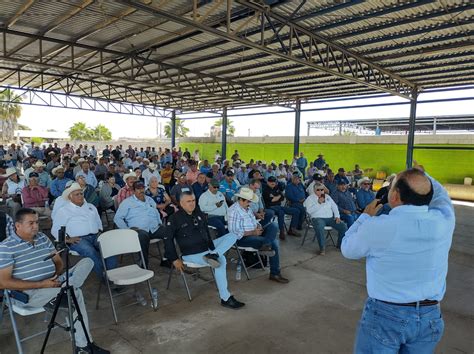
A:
[240,220]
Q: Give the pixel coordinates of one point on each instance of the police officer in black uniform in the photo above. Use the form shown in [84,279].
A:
[189,228]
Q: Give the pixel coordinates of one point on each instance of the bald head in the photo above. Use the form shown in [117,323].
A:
[411,187]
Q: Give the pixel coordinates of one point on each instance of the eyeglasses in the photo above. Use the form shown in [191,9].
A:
[365,183]
[319,190]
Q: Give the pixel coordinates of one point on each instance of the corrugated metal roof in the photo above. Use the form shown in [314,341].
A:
[136,51]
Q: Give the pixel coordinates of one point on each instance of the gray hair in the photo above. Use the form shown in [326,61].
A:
[318,185]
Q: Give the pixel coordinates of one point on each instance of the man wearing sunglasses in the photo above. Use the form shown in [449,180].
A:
[212,202]
[188,227]
[324,212]
[364,195]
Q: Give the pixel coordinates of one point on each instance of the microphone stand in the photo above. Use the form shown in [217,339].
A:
[72,304]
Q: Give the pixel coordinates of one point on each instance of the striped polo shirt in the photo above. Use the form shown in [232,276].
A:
[27,258]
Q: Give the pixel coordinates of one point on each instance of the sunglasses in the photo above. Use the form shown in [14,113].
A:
[319,190]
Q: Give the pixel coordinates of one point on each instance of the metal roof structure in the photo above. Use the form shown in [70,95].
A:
[423,124]
[194,55]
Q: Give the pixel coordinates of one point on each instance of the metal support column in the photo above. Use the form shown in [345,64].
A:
[224,134]
[296,141]
[173,129]
[411,129]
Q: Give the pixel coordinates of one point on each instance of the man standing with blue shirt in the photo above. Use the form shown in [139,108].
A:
[302,163]
[138,212]
[407,262]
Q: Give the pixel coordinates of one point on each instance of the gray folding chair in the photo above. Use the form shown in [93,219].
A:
[239,250]
[309,224]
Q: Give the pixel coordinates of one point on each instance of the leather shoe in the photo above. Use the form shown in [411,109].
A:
[293,232]
[278,278]
[232,303]
[282,235]
[212,259]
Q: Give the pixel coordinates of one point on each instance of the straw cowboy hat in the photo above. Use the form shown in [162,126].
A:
[152,166]
[10,171]
[57,169]
[362,180]
[7,157]
[128,175]
[248,194]
[74,187]
[39,163]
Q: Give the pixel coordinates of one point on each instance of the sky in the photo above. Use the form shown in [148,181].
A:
[60,119]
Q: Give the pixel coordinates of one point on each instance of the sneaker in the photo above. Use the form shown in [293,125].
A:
[51,304]
[278,278]
[293,232]
[92,348]
[322,252]
[212,259]
[232,303]
[266,250]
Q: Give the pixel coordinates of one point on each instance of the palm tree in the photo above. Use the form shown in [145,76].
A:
[230,127]
[181,130]
[10,111]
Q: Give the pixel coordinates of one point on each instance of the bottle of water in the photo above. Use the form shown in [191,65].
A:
[238,273]
[154,298]
[140,299]
[46,204]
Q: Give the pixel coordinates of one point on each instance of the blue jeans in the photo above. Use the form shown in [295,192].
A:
[319,223]
[222,245]
[387,329]
[219,223]
[349,219]
[280,212]
[267,219]
[269,237]
[302,210]
[89,247]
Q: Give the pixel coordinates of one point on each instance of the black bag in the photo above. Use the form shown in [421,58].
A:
[251,260]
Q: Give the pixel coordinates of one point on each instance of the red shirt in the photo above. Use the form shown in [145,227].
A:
[34,196]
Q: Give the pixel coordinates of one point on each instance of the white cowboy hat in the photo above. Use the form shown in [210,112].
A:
[128,175]
[39,163]
[10,171]
[248,194]
[56,169]
[145,160]
[51,153]
[362,180]
[152,166]
[7,157]
[74,187]
[81,160]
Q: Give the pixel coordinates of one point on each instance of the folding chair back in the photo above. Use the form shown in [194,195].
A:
[120,241]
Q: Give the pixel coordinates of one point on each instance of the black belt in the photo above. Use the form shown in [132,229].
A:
[413,304]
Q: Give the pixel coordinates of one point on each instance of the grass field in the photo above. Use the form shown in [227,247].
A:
[448,166]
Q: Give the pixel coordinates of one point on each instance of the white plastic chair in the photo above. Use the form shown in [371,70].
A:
[239,250]
[22,311]
[119,242]
[328,230]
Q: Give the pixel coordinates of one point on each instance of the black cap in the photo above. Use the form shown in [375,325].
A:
[317,177]
[33,174]
[138,185]
[271,179]
[341,181]
[209,175]
[229,173]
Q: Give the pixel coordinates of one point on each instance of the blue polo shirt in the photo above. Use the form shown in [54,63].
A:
[27,258]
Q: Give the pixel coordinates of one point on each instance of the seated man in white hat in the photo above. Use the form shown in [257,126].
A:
[11,190]
[241,221]
[87,174]
[43,177]
[58,185]
[127,190]
[83,224]
[364,196]
[149,172]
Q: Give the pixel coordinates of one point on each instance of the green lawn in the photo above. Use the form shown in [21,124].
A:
[448,166]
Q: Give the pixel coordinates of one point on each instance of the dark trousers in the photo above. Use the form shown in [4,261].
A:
[145,237]
[302,210]
[219,223]
[280,212]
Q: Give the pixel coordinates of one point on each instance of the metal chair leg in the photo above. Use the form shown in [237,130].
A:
[214,277]
[98,295]
[243,263]
[112,301]
[186,286]
[169,278]
[329,235]
[15,328]
[260,261]
[304,237]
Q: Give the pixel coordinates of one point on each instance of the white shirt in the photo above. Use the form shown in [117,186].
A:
[147,174]
[328,209]
[13,187]
[79,220]
[207,203]
[59,203]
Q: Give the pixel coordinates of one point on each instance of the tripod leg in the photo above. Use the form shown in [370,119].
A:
[52,322]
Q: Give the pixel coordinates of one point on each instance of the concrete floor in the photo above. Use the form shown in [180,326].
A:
[317,312]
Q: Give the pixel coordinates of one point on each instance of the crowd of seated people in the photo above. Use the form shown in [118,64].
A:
[173,195]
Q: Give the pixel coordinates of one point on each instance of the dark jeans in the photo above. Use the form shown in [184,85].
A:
[319,223]
[269,237]
[145,237]
[302,210]
[267,219]
[219,223]
[280,212]
[349,219]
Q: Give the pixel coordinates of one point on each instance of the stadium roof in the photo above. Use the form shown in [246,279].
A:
[201,55]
